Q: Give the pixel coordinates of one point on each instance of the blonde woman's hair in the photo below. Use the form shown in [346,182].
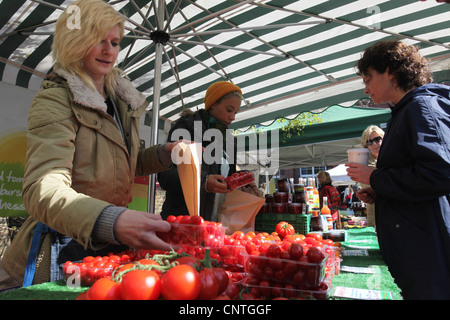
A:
[366,133]
[323,177]
[72,43]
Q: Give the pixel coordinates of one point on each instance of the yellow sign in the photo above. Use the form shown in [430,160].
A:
[13,148]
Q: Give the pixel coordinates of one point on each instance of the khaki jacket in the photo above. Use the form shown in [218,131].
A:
[78,162]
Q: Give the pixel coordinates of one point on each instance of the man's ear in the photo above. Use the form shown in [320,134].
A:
[390,75]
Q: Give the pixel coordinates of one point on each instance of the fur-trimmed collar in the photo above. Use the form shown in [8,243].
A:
[87,97]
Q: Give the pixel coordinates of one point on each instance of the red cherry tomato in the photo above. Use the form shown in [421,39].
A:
[274,250]
[209,287]
[315,236]
[222,279]
[295,251]
[196,220]
[232,290]
[314,255]
[171,218]
[189,260]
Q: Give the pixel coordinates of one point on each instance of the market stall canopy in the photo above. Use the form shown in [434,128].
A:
[323,143]
[287,56]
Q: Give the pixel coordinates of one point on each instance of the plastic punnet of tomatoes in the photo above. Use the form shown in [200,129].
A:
[230,257]
[265,289]
[188,232]
[334,261]
[90,269]
[239,179]
[306,271]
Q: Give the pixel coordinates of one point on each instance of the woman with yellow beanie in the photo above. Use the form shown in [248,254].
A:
[222,102]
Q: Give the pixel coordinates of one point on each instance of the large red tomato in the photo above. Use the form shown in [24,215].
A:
[284,229]
[181,282]
[104,289]
[140,285]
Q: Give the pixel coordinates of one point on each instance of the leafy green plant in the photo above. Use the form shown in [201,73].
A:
[297,125]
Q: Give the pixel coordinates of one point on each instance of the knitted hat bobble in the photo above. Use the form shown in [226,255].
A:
[218,90]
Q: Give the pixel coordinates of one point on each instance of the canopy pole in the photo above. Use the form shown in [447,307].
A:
[159,11]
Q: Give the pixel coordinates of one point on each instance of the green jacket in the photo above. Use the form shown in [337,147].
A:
[78,162]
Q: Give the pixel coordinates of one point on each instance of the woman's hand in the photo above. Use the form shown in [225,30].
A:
[366,195]
[215,183]
[359,172]
[137,229]
[170,145]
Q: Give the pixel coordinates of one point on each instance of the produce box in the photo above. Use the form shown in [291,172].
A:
[85,272]
[293,276]
[207,235]
[300,273]
[267,222]
[239,179]
[269,290]
[230,257]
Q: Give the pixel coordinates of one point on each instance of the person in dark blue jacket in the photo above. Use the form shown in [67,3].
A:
[411,182]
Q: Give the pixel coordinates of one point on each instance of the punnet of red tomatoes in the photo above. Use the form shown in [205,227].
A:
[285,265]
[239,179]
[193,231]
[252,265]
[91,269]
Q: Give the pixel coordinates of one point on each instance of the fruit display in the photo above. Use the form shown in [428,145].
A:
[168,276]
[239,179]
[253,265]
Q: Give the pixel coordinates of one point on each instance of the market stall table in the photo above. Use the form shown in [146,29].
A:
[361,249]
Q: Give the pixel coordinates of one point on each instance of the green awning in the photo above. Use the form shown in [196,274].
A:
[288,56]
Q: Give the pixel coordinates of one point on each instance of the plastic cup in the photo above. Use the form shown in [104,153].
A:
[359,155]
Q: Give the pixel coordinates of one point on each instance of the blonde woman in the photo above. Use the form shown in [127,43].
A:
[372,138]
[83,154]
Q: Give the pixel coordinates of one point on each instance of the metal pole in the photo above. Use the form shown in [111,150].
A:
[156,103]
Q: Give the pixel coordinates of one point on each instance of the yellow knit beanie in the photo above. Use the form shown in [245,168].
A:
[218,90]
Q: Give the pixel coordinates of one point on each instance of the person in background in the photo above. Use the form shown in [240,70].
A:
[348,197]
[326,189]
[222,101]
[372,138]
[83,155]
[411,182]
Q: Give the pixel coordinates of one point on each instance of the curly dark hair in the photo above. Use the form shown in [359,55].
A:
[404,61]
